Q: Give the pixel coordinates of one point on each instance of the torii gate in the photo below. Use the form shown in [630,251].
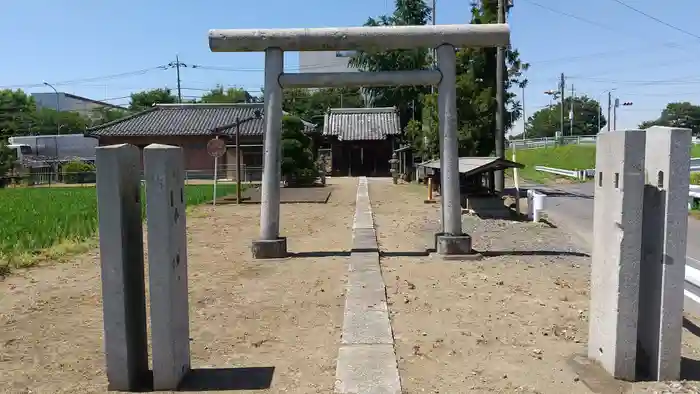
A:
[444,38]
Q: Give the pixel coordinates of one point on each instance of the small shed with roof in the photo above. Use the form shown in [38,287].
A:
[360,141]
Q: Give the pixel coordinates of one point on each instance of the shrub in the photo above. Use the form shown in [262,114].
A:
[695,178]
[78,172]
[298,167]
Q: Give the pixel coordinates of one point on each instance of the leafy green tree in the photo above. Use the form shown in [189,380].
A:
[17,112]
[680,114]
[298,166]
[230,95]
[311,105]
[547,121]
[7,161]
[476,84]
[144,100]
[50,122]
[103,115]
[406,12]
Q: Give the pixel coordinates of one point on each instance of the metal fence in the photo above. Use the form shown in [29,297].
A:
[543,142]
[46,177]
[532,143]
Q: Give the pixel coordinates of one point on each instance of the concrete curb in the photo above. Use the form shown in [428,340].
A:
[366,358]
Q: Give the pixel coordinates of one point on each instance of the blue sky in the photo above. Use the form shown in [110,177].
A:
[598,44]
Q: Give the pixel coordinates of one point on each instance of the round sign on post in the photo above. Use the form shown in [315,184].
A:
[216,147]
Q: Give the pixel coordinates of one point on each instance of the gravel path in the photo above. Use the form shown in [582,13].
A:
[503,324]
[243,313]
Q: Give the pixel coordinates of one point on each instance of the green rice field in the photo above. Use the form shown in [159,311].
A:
[32,219]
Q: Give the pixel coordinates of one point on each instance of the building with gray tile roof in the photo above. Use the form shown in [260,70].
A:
[183,120]
[362,124]
[360,141]
[191,126]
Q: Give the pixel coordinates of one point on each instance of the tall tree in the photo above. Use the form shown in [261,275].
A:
[547,121]
[103,115]
[476,90]
[50,122]
[146,99]
[406,12]
[230,95]
[311,105]
[7,161]
[17,112]
[680,114]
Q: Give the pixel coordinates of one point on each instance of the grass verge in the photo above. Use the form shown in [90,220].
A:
[51,224]
[568,157]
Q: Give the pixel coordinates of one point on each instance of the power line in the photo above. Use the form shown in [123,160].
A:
[676,28]
[594,23]
[91,79]
[671,45]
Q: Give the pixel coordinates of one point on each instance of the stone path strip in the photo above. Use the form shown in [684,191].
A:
[366,358]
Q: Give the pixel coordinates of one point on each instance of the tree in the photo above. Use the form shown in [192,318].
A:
[7,161]
[681,114]
[311,105]
[547,121]
[476,90]
[103,115]
[230,95]
[17,112]
[146,99]
[406,12]
[298,166]
[50,122]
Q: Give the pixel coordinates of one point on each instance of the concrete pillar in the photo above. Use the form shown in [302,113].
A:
[664,235]
[122,265]
[167,264]
[270,244]
[451,241]
[617,224]
[447,105]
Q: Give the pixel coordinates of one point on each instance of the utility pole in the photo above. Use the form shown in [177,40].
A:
[176,65]
[499,181]
[571,112]
[524,115]
[609,105]
[562,92]
[433,54]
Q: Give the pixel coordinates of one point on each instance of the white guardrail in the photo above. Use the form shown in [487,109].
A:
[589,173]
[691,289]
[578,174]
[543,142]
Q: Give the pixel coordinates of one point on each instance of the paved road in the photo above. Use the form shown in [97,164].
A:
[572,206]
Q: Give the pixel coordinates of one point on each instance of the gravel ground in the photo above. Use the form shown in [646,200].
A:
[507,324]
[244,313]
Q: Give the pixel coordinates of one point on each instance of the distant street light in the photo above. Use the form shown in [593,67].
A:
[553,95]
[58,107]
[618,104]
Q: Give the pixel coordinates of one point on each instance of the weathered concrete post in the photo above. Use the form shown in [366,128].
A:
[122,265]
[617,225]
[167,264]
[664,236]
[451,241]
[270,244]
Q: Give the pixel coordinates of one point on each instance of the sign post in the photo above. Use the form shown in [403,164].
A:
[216,148]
